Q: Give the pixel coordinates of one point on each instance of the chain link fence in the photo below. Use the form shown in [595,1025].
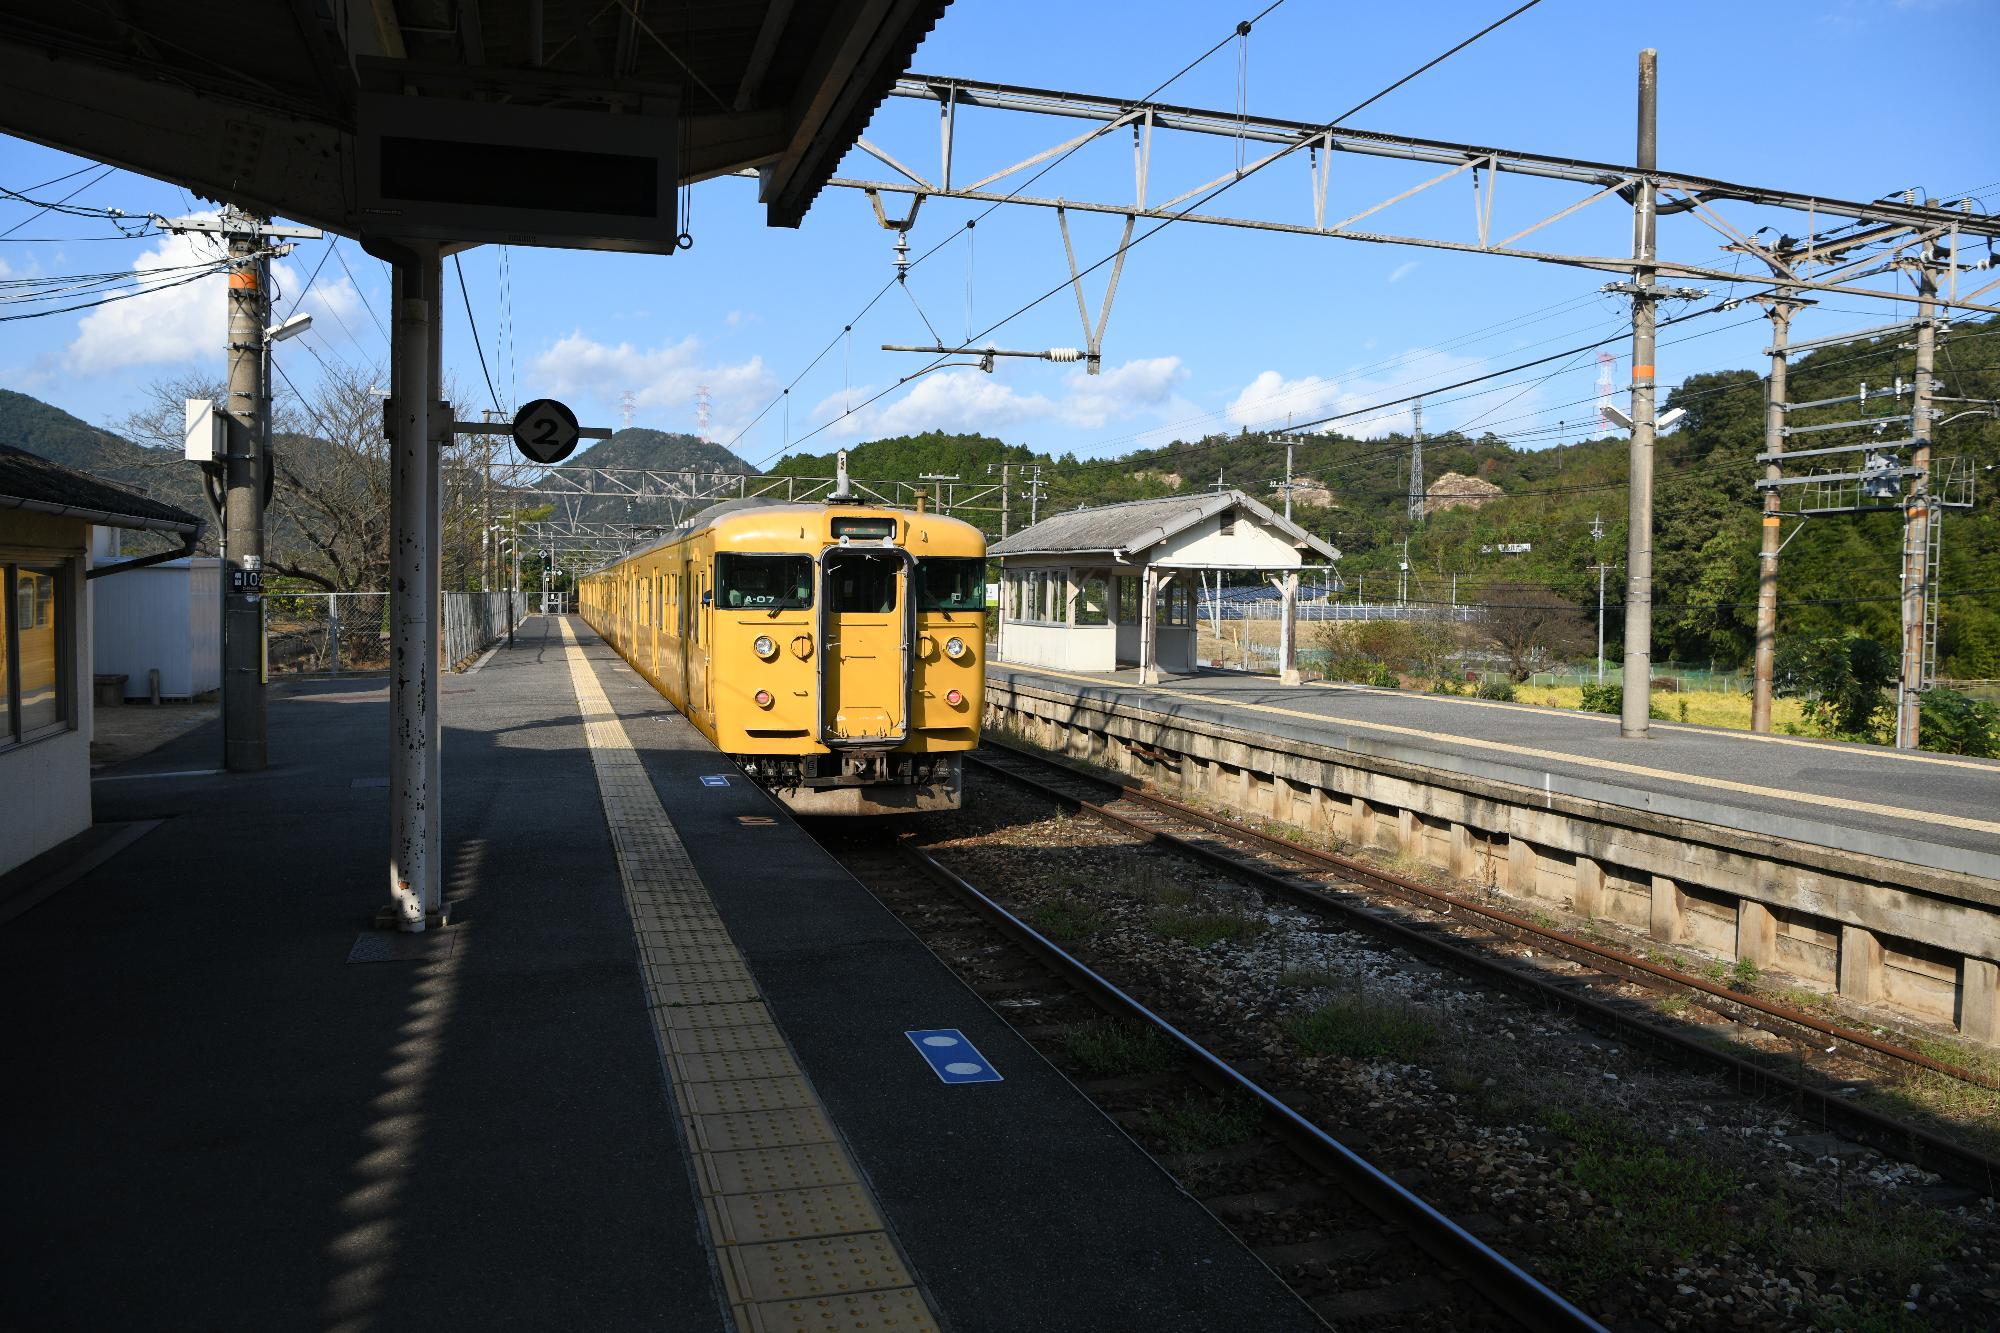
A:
[327,633]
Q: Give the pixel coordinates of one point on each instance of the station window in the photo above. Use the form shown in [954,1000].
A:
[34,650]
[1092,598]
[1229,522]
[1128,599]
[951,584]
[1173,605]
[763,582]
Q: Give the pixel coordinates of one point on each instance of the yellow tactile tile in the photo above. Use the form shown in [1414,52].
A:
[741,1131]
[800,1242]
[830,1210]
[792,1270]
[746,1094]
[901,1311]
[715,1066]
[686,1017]
[799,1166]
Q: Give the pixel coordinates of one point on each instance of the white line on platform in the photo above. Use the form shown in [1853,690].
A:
[133,777]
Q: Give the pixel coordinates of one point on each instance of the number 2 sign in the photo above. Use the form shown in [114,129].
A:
[545,430]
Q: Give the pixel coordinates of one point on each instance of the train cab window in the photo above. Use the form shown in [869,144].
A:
[863,582]
[951,584]
[763,582]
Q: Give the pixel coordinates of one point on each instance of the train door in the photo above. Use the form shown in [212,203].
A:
[865,642]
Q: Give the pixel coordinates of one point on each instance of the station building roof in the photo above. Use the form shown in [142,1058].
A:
[31,482]
[1127,530]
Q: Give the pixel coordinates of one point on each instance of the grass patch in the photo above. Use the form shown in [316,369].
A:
[1104,1049]
[1673,1004]
[1363,1030]
[1744,973]
[1202,1124]
[1653,1205]
[1204,928]
[1067,918]
[1308,978]
[1707,708]
[1895,1246]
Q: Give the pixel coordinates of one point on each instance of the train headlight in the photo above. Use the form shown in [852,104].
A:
[766,647]
[954,647]
[763,698]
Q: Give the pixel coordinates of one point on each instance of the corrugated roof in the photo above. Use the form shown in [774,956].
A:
[1135,525]
[29,481]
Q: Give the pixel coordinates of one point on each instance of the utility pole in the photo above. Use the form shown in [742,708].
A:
[1596,537]
[1638,664]
[1780,310]
[1005,488]
[1403,580]
[1417,461]
[1917,521]
[246,473]
[1035,485]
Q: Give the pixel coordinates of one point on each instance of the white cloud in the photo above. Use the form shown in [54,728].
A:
[973,401]
[1270,400]
[190,321]
[1403,270]
[662,380]
[176,324]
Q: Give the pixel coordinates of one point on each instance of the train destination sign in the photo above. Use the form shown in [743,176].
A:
[546,430]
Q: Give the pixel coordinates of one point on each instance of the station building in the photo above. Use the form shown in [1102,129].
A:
[47,512]
[1114,586]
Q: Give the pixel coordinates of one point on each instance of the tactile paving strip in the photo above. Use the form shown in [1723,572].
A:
[800,1242]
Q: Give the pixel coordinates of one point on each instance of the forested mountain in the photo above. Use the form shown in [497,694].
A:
[636,446]
[44,429]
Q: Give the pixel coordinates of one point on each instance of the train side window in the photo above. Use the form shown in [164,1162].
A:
[763,582]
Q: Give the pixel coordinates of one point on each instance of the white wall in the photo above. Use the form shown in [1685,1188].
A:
[166,616]
[47,782]
[1251,546]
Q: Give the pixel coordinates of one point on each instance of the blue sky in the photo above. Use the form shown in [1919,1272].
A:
[1211,328]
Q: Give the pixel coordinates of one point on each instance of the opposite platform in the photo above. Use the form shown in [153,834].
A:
[225,1113]
[1937,811]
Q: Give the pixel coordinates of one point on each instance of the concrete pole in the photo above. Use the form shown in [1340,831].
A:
[244,748]
[1004,469]
[1600,621]
[414,885]
[1767,565]
[438,436]
[1639,521]
[1917,518]
[1149,625]
[1288,646]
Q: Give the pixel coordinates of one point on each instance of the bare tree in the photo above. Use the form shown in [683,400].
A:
[1534,627]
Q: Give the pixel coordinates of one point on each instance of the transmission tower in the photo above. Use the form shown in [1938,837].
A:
[701,406]
[1417,461]
[627,404]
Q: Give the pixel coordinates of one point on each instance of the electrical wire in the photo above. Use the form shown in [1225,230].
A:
[366,304]
[473,324]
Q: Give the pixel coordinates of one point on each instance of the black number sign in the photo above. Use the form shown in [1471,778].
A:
[545,430]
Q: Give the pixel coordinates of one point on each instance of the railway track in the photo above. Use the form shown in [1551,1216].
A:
[1380,902]
[1367,1249]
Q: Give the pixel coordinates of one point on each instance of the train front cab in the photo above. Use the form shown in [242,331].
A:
[872,655]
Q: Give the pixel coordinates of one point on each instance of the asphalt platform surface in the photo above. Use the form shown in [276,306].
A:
[231,1103]
[1940,811]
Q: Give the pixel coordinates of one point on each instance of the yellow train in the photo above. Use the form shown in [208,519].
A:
[835,651]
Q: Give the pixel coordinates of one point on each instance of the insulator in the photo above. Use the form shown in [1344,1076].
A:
[1063,354]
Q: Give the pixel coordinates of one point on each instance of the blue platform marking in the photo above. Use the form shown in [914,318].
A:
[953,1058]
[715,780]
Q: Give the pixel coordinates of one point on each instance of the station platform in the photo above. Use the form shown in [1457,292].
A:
[655,1074]
[1941,812]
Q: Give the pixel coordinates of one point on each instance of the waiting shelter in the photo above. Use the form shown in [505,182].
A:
[1114,586]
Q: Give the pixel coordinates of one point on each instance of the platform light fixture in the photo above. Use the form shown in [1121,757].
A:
[288,328]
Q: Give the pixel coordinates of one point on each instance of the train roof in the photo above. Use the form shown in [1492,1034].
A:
[770,506]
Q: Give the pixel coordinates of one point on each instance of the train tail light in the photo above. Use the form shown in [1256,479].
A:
[763,698]
[954,698]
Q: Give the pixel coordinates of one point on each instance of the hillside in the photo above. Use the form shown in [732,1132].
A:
[44,429]
[636,446]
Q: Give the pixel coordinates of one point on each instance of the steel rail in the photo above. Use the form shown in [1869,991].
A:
[1515,1291]
[1896,1137]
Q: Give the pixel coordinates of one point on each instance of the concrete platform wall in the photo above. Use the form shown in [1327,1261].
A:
[1917,942]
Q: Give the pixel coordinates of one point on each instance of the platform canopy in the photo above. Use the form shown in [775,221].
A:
[265,104]
[1176,532]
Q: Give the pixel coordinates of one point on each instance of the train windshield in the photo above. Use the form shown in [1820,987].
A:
[763,582]
[952,584]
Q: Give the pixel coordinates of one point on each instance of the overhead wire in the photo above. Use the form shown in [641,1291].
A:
[967,230]
[1238,178]
[473,324]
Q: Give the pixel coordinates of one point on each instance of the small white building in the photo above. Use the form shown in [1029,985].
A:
[47,512]
[165,618]
[1114,586]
